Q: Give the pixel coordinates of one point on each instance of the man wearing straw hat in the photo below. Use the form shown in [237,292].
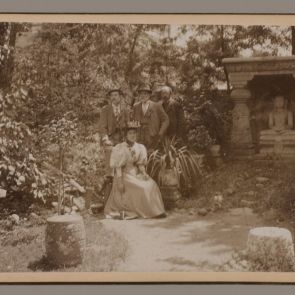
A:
[113,120]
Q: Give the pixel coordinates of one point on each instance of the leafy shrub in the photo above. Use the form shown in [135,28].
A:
[84,161]
[199,138]
[209,119]
[19,172]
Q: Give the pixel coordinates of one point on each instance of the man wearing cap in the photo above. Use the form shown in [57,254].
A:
[152,117]
[113,119]
[175,112]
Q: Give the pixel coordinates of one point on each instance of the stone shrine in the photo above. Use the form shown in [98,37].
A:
[280,137]
[263,92]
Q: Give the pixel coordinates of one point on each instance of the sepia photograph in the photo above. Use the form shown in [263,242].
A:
[132,147]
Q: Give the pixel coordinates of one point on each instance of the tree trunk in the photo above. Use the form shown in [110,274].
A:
[222,46]
[4,38]
[131,60]
[60,183]
[293,39]
[8,33]
[10,62]
[130,57]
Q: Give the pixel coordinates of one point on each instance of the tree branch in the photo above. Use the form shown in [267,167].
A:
[130,58]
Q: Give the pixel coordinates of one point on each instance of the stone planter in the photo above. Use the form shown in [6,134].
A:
[169,187]
[168,177]
[65,240]
[170,195]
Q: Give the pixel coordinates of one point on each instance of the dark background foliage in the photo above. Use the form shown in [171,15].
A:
[49,70]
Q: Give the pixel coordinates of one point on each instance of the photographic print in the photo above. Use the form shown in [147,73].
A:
[136,148]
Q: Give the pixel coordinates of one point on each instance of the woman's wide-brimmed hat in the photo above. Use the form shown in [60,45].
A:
[144,88]
[133,125]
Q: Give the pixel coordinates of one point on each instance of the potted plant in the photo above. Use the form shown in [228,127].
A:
[65,233]
[175,168]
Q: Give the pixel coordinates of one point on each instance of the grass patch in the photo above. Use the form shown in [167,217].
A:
[23,249]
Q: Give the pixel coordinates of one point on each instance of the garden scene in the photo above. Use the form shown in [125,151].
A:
[223,168]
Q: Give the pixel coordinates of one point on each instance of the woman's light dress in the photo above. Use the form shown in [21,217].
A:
[141,198]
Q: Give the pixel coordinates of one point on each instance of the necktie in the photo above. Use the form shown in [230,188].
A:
[116,111]
[145,107]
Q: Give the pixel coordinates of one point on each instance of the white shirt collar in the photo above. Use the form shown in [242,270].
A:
[146,103]
[145,106]
[116,108]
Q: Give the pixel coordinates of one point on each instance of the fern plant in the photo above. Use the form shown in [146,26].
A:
[173,156]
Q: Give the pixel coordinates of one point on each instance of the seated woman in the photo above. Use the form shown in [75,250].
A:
[134,192]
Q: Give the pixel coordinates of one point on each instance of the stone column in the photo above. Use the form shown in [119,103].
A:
[241,137]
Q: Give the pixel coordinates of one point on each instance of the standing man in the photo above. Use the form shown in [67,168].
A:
[175,112]
[152,117]
[113,119]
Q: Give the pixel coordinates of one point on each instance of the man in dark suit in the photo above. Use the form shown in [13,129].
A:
[113,119]
[152,117]
[175,112]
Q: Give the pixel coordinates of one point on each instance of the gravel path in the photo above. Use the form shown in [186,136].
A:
[184,241]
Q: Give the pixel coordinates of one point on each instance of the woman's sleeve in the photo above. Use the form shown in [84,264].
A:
[118,157]
[142,159]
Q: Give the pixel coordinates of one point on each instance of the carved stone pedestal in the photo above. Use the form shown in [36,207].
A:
[278,148]
[241,137]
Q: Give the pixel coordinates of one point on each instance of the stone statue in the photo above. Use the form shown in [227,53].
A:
[280,137]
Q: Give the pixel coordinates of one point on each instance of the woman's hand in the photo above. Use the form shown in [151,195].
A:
[107,143]
[145,176]
[121,186]
[143,173]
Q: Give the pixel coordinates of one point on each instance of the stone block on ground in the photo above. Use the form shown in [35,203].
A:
[262,179]
[3,193]
[67,209]
[77,186]
[202,212]
[251,193]
[242,212]
[246,203]
[96,208]
[244,264]
[80,203]
[34,215]
[65,240]
[230,191]
[272,247]
[75,208]
[217,202]
[55,206]
[14,218]
[191,212]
